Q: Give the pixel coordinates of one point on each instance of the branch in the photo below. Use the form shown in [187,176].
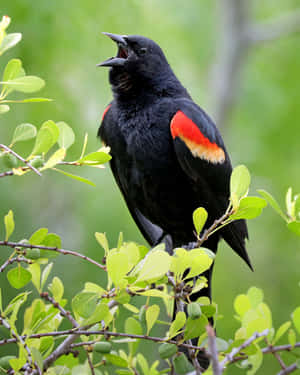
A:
[217,368]
[8,173]
[230,357]
[209,231]
[20,158]
[51,248]
[276,356]
[289,369]
[63,312]
[22,342]
[12,260]
[282,26]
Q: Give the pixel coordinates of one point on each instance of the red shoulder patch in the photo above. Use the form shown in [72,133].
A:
[199,145]
[105,111]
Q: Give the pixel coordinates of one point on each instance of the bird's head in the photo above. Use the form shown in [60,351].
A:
[138,60]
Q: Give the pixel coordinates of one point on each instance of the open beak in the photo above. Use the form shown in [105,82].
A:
[122,54]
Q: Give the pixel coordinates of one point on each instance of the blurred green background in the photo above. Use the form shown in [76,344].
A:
[62,43]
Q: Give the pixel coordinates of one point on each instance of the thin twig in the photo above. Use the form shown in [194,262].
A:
[52,248]
[63,312]
[276,355]
[217,368]
[12,260]
[214,226]
[20,340]
[101,332]
[8,173]
[20,158]
[230,356]
[68,316]
[280,348]
[289,369]
[90,363]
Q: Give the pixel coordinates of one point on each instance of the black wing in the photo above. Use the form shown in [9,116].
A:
[201,153]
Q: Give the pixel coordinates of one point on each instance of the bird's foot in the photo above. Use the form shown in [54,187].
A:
[190,246]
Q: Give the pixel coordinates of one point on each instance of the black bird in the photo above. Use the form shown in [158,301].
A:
[168,157]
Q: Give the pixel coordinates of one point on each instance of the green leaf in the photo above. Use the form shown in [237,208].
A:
[117,267]
[9,41]
[249,208]
[38,237]
[24,132]
[294,227]
[242,304]
[281,331]
[56,288]
[35,270]
[46,137]
[199,219]
[239,183]
[179,262]
[199,261]
[84,304]
[289,202]
[11,71]
[66,135]
[30,100]
[222,345]
[152,314]
[94,288]
[9,224]
[1,304]
[102,240]
[132,326]
[78,178]
[50,240]
[95,158]
[25,84]
[297,207]
[292,337]
[296,318]
[54,159]
[101,313]
[45,274]
[272,202]
[177,324]
[142,361]
[4,108]
[37,357]
[116,360]
[255,361]
[154,266]
[195,327]
[256,296]
[18,277]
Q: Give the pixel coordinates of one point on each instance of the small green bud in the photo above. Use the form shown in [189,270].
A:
[38,161]
[10,161]
[182,365]
[4,361]
[33,254]
[102,347]
[194,310]
[167,350]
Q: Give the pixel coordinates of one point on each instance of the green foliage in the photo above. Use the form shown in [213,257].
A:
[132,270]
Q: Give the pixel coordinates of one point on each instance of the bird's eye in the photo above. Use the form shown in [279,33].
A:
[143,51]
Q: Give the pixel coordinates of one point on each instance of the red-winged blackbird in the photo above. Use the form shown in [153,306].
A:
[168,157]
